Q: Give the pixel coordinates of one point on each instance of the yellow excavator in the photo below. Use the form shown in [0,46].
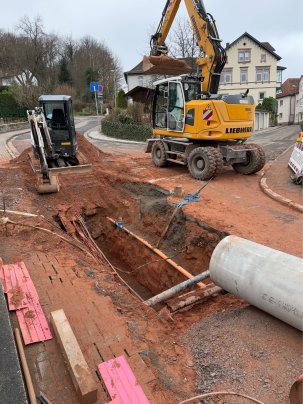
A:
[193,125]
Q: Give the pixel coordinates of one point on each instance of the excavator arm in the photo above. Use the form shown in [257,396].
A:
[212,57]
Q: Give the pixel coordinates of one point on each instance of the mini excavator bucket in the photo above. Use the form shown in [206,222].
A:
[165,65]
[47,186]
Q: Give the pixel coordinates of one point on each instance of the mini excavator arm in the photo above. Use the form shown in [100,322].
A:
[43,149]
[212,56]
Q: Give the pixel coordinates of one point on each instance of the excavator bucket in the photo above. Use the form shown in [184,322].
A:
[48,186]
[165,65]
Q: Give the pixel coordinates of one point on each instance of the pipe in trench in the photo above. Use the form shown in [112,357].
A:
[266,278]
[160,253]
[167,294]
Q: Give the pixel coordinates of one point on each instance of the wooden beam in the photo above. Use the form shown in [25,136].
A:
[80,373]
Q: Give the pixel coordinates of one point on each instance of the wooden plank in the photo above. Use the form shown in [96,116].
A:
[121,383]
[81,375]
[189,299]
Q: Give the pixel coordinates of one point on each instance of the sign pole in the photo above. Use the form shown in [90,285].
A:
[97,106]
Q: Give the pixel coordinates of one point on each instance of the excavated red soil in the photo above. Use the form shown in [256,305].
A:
[127,188]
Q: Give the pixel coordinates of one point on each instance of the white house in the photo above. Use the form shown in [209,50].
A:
[299,102]
[137,78]
[24,78]
[287,102]
[252,65]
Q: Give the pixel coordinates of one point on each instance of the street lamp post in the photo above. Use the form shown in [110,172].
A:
[115,98]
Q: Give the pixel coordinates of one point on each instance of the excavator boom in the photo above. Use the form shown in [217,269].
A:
[212,57]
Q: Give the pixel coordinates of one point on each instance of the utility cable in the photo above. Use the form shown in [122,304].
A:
[217,393]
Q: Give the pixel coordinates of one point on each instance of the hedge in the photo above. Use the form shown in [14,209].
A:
[126,131]
[9,108]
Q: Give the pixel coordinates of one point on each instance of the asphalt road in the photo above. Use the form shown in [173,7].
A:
[274,140]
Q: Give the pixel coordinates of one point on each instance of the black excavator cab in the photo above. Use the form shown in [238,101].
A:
[59,117]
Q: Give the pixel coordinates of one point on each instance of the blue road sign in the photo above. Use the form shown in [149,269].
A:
[100,89]
[93,86]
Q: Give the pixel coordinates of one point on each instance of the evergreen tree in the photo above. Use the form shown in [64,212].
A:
[64,74]
[121,99]
[91,75]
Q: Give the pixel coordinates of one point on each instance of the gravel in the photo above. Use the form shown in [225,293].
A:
[246,351]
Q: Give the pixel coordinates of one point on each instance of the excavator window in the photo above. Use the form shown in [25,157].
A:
[175,116]
[55,114]
[160,106]
[192,91]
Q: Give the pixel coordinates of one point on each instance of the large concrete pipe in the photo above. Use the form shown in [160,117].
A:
[266,278]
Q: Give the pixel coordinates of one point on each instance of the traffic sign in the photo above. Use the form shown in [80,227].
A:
[93,86]
[100,91]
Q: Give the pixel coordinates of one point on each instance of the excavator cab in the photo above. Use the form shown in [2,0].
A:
[59,117]
[171,96]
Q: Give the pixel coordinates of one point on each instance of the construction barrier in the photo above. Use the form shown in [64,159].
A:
[296,158]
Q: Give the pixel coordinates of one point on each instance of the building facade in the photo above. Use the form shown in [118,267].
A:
[251,65]
[299,102]
[287,102]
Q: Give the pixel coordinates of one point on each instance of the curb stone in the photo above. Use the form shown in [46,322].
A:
[274,195]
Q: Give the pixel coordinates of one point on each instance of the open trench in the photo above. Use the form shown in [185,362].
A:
[188,242]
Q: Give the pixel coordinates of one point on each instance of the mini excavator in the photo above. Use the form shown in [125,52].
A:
[54,142]
[193,125]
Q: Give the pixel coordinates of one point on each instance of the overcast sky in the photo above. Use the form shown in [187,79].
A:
[125,26]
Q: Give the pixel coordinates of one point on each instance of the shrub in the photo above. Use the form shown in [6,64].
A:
[10,109]
[130,131]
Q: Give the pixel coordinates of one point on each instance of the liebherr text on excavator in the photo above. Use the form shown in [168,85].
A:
[193,125]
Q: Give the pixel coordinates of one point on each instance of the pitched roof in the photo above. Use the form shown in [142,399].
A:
[137,69]
[268,46]
[265,45]
[289,87]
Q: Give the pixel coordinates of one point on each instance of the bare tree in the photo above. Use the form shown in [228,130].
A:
[181,41]
[34,58]
[36,53]
[92,59]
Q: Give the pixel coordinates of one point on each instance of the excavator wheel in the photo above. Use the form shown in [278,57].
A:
[255,160]
[48,187]
[202,163]
[219,161]
[159,153]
